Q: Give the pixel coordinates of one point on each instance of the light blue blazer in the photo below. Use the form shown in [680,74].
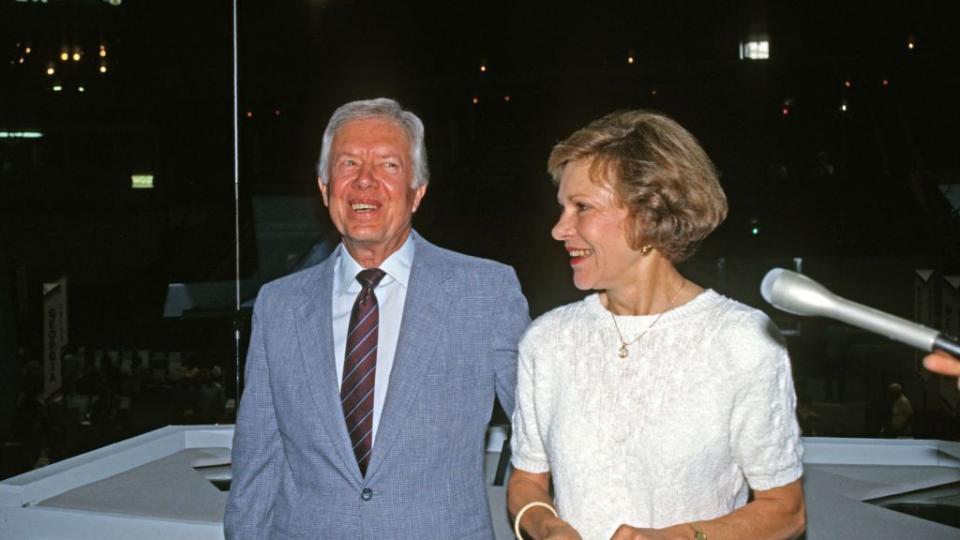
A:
[294,473]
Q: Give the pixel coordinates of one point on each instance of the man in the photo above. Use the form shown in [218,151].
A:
[901,412]
[356,429]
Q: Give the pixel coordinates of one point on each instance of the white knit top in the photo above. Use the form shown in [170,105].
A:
[701,410]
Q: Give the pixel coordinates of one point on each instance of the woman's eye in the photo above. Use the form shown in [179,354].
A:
[581,207]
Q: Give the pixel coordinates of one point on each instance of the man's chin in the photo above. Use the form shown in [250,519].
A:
[372,240]
[363,240]
[373,237]
[360,233]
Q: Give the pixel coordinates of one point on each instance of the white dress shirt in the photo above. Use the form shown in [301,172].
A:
[391,293]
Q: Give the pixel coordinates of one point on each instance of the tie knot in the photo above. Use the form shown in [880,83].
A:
[370,277]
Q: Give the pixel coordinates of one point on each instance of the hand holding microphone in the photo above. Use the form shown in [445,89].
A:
[942,363]
[796,293]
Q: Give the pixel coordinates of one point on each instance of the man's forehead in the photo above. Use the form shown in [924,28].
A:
[371,131]
[387,148]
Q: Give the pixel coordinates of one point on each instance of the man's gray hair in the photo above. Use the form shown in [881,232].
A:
[387,109]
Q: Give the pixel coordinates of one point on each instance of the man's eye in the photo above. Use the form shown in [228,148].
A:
[391,165]
[581,207]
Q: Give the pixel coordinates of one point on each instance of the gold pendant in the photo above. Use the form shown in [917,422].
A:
[623,351]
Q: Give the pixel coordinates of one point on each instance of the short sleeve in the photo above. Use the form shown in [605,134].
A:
[529,453]
[765,436]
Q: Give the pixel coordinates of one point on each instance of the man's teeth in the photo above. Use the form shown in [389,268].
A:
[580,252]
[357,207]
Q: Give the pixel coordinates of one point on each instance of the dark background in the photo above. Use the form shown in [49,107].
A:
[856,193]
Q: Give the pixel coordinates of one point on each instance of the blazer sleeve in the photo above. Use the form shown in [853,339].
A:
[508,327]
[257,452]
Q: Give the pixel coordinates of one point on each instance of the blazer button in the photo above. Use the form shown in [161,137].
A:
[366,494]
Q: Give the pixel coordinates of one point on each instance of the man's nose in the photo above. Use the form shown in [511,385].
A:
[365,178]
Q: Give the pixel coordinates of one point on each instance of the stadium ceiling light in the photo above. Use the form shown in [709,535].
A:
[21,135]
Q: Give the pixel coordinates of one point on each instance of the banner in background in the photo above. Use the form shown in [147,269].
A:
[55,335]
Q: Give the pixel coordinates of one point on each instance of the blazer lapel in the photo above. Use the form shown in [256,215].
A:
[315,332]
[424,310]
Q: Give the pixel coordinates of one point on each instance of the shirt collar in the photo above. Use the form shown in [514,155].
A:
[397,267]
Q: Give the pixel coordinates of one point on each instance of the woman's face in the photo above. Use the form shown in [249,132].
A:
[593,228]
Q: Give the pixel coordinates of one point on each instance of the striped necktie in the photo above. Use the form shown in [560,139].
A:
[360,367]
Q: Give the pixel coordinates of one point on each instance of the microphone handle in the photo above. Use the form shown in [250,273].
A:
[891,326]
[947,344]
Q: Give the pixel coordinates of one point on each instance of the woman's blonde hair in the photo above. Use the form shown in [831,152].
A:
[658,171]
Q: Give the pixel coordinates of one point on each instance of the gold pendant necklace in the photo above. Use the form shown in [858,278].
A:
[624,344]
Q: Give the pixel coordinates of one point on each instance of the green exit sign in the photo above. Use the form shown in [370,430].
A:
[141,181]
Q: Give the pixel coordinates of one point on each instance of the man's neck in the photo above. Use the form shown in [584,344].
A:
[373,255]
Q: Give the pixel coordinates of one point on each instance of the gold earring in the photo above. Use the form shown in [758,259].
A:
[645,250]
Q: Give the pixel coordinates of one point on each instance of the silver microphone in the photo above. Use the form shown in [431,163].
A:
[796,293]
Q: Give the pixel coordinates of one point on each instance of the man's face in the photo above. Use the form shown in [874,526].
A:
[368,192]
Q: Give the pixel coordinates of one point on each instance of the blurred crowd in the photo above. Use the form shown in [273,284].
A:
[105,397]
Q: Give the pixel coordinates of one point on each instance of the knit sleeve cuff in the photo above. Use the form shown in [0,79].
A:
[778,479]
[528,464]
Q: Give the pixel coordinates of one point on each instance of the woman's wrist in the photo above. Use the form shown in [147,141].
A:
[684,531]
[534,518]
[698,533]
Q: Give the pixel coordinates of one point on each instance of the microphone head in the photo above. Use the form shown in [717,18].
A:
[796,293]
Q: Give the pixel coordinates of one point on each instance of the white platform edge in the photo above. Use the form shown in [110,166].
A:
[912,452]
[41,484]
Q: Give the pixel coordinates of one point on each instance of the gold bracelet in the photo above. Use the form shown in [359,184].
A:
[698,533]
[516,521]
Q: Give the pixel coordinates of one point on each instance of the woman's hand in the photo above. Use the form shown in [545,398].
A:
[626,532]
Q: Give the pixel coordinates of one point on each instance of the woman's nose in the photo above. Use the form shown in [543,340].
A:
[561,230]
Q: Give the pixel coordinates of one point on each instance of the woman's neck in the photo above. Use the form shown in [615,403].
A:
[655,291]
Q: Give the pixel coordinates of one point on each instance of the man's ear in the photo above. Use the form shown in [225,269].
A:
[418,196]
[323,191]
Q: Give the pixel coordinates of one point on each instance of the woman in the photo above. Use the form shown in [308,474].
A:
[653,406]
